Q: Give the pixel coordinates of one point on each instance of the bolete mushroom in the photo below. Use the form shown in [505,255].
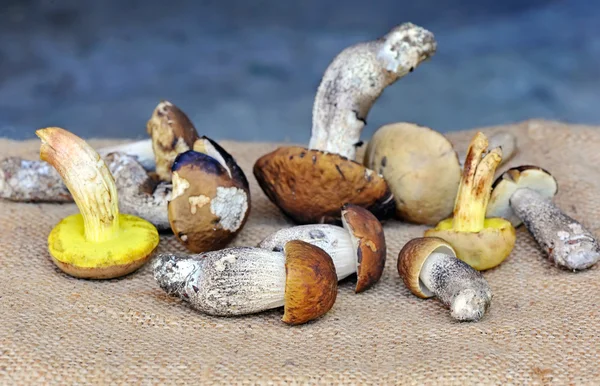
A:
[242,280]
[429,267]
[421,168]
[481,242]
[357,247]
[505,140]
[524,195]
[99,242]
[310,185]
[210,202]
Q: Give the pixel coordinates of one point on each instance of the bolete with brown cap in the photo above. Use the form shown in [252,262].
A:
[210,202]
[357,247]
[99,242]
[310,185]
[524,195]
[429,267]
[481,242]
[242,280]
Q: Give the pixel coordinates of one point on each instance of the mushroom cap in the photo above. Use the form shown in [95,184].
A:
[412,257]
[208,146]
[127,251]
[368,238]
[481,250]
[311,282]
[421,168]
[311,186]
[172,133]
[207,207]
[526,176]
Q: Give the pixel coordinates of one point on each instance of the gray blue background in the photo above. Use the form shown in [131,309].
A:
[248,70]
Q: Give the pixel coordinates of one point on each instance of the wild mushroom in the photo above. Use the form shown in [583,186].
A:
[481,242]
[310,185]
[241,280]
[429,267]
[505,140]
[210,202]
[99,242]
[523,195]
[421,168]
[357,247]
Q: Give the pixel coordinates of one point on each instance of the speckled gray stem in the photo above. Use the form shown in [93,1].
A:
[356,78]
[457,285]
[504,140]
[566,242]
[140,150]
[232,281]
[31,181]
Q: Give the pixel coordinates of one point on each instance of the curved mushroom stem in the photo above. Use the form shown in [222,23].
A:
[565,240]
[356,78]
[334,240]
[457,285]
[506,141]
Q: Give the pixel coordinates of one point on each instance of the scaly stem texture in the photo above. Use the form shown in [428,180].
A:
[475,185]
[88,179]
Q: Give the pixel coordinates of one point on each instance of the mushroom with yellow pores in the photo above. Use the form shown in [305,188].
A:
[99,242]
[481,242]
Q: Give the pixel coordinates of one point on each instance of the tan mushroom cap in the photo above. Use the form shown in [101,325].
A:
[311,186]
[369,240]
[421,168]
[310,284]
[207,208]
[172,133]
[412,257]
[526,176]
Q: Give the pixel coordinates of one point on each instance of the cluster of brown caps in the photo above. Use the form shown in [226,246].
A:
[181,182]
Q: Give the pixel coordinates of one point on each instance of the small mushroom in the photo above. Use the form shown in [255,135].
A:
[481,242]
[523,195]
[310,185]
[99,242]
[172,133]
[210,202]
[357,247]
[421,168]
[506,141]
[429,267]
[242,280]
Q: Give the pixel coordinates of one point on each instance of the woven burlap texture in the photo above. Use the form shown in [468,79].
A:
[542,327]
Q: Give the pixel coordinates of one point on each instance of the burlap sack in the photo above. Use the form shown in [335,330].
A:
[542,327]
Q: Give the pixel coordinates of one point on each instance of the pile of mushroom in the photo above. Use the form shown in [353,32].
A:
[310,185]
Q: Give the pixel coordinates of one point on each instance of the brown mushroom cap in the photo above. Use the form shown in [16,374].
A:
[311,186]
[412,257]
[207,208]
[368,239]
[172,133]
[311,282]
[421,168]
[526,176]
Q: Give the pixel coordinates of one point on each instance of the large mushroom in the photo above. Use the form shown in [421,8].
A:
[242,280]
[357,247]
[523,195]
[310,185]
[481,242]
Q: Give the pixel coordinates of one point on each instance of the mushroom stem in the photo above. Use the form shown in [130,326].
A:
[565,240]
[88,179]
[356,78]
[140,150]
[475,186]
[334,240]
[456,285]
[506,141]
[31,181]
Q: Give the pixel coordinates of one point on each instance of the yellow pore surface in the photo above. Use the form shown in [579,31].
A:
[135,239]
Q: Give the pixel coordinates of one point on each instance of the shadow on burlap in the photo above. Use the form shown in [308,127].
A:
[542,327]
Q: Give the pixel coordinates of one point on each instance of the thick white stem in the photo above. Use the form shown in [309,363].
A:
[140,150]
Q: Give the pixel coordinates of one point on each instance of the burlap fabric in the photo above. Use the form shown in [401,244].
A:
[542,327]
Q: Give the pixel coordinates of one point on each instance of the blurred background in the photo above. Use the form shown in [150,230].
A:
[248,70]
